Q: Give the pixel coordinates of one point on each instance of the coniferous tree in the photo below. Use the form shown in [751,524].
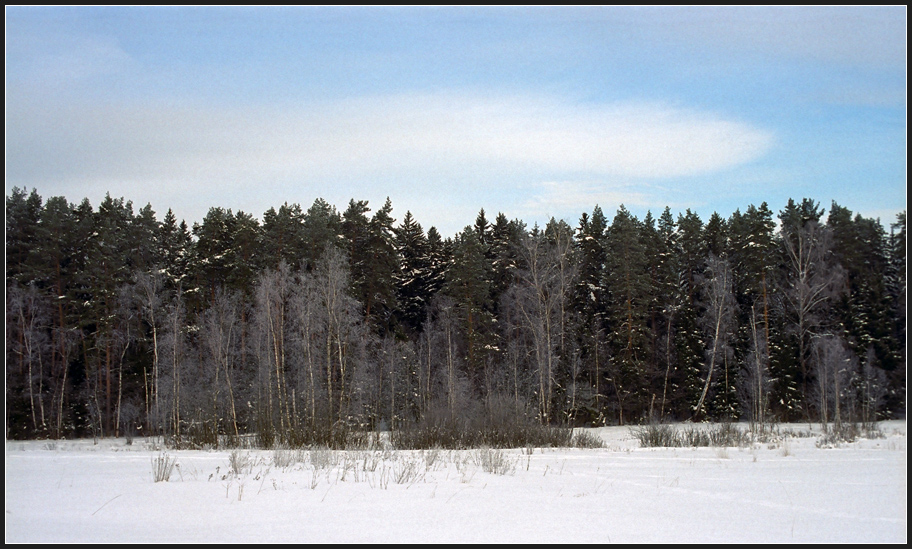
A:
[692,251]
[589,302]
[896,282]
[505,238]
[214,249]
[468,284]
[175,251]
[753,259]
[109,266]
[413,275]
[667,307]
[117,322]
[282,236]
[60,244]
[322,228]
[248,253]
[23,214]
[440,257]
[381,270]
[628,284]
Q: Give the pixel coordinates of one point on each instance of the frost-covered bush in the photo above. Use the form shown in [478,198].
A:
[162,466]
[495,461]
[239,462]
[656,435]
[585,439]
[666,436]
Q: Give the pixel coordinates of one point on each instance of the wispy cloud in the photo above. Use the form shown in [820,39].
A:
[375,136]
[482,141]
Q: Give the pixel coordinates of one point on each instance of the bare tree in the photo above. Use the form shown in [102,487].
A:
[872,389]
[219,336]
[718,321]
[755,383]
[272,301]
[812,281]
[835,366]
[123,336]
[344,337]
[149,291]
[174,360]
[309,329]
[27,323]
[541,297]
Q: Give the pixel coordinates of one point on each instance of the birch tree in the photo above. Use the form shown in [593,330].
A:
[811,283]
[718,322]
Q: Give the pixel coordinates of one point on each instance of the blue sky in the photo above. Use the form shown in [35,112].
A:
[533,112]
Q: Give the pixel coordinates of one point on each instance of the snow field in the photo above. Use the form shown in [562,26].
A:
[785,491]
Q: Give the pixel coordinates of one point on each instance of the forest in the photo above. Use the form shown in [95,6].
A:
[310,323]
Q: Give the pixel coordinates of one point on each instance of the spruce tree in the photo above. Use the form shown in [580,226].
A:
[589,302]
[691,253]
[468,284]
[413,275]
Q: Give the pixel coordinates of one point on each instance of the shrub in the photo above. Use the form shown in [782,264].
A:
[494,461]
[666,436]
[656,435]
[323,458]
[501,424]
[286,457]
[848,432]
[585,439]
[162,466]
[239,462]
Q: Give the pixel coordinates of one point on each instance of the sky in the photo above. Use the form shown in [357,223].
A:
[535,112]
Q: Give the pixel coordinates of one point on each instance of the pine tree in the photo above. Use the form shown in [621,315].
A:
[865,310]
[896,282]
[214,255]
[322,228]
[61,244]
[282,236]
[23,214]
[628,285]
[108,268]
[440,258]
[505,238]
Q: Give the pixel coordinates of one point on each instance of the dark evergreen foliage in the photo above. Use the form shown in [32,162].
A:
[308,327]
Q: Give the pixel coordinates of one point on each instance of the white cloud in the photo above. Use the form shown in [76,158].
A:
[484,142]
[399,133]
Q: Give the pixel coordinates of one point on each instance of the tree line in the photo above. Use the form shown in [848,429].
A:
[314,322]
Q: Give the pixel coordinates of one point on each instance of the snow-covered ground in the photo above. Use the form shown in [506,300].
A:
[785,491]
